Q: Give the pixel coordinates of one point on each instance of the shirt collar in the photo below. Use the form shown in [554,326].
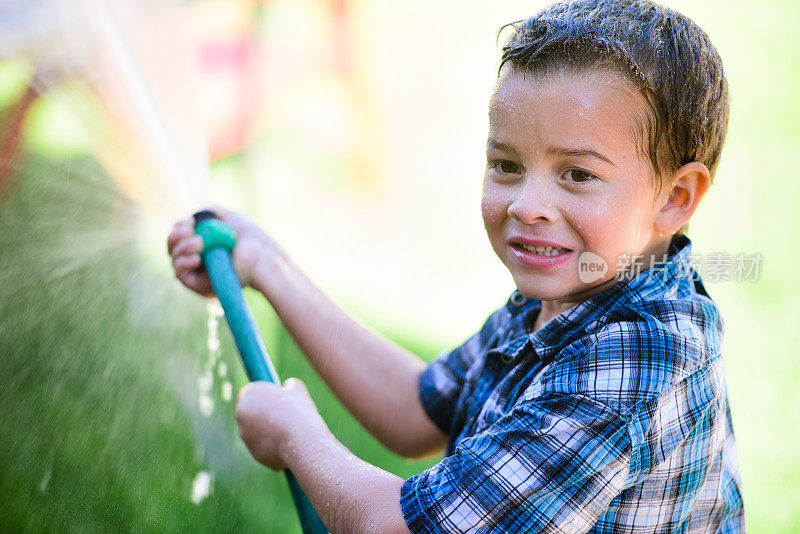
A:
[665,279]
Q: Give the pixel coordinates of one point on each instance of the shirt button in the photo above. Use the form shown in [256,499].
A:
[518,299]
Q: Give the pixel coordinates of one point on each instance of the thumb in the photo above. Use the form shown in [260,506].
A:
[296,385]
[219,211]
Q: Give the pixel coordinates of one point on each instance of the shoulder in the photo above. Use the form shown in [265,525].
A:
[443,381]
[636,353]
[449,368]
[506,322]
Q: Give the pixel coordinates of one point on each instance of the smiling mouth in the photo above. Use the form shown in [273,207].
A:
[541,251]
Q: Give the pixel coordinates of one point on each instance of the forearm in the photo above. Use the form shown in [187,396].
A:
[374,378]
[348,494]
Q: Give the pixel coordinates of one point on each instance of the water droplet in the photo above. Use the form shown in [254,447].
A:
[227,391]
[205,382]
[206,405]
[201,487]
[45,480]
[214,308]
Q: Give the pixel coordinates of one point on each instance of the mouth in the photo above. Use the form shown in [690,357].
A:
[539,253]
[541,250]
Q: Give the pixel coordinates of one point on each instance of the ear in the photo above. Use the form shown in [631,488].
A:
[687,187]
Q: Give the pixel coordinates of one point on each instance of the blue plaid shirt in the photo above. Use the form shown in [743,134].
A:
[614,417]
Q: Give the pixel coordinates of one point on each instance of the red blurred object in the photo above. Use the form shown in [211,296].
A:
[229,71]
[230,132]
[11,138]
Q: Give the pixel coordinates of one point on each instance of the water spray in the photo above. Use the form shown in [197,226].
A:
[218,242]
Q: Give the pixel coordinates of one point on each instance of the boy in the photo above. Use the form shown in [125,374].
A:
[587,403]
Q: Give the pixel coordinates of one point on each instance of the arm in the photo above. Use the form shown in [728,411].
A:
[282,429]
[375,379]
[554,463]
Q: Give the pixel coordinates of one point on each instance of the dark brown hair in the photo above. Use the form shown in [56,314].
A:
[666,56]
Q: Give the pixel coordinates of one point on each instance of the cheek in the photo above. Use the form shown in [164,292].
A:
[592,217]
[603,222]
[494,205]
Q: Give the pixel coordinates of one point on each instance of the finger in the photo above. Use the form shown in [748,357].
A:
[252,396]
[219,211]
[294,384]
[184,225]
[231,218]
[186,263]
[198,282]
[188,246]
[180,231]
[241,394]
[174,238]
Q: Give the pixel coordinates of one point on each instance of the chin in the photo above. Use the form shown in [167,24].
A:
[549,290]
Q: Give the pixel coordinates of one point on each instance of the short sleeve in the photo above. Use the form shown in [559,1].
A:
[552,464]
[441,383]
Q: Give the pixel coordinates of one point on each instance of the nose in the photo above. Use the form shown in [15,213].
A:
[533,202]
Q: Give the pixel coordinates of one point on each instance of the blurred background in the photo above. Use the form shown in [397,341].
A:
[354,132]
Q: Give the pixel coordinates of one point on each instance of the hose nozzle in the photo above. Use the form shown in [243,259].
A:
[204,215]
[214,232]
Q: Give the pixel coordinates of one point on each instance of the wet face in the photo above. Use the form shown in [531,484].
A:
[565,180]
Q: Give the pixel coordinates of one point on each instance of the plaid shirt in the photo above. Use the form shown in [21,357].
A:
[614,417]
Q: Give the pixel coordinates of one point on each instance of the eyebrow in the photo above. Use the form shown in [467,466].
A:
[578,152]
[500,145]
[564,152]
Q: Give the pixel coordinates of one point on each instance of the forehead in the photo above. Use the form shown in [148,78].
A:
[600,109]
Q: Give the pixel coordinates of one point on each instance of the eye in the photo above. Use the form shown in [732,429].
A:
[504,166]
[579,176]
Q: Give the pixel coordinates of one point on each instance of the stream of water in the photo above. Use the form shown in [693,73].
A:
[126,69]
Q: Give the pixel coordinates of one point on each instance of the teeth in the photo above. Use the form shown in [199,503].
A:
[544,251]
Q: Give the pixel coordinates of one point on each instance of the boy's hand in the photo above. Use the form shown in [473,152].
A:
[269,415]
[253,247]
[282,428]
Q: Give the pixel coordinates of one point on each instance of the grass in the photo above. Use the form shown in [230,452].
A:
[99,418]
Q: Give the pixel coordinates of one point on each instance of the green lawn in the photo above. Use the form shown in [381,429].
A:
[98,396]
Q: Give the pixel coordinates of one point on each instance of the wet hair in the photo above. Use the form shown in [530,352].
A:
[665,56]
